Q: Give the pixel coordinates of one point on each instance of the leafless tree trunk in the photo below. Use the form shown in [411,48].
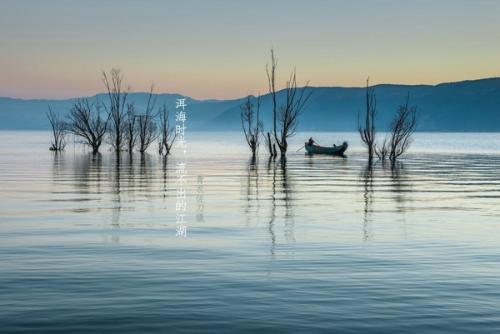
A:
[251,124]
[286,114]
[271,146]
[58,131]
[383,151]
[86,122]
[116,109]
[167,133]
[131,128]
[147,131]
[367,131]
[146,126]
[271,78]
[402,129]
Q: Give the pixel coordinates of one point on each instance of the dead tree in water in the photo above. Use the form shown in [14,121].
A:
[146,126]
[367,131]
[147,131]
[271,146]
[131,127]
[285,115]
[58,131]
[402,129]
[167,133]
[383,151]
[86,121]
[116,109]
[251,124]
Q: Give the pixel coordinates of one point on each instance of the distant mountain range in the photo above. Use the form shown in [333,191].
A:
[472,105]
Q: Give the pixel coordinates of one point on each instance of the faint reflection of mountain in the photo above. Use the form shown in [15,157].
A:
[368,201]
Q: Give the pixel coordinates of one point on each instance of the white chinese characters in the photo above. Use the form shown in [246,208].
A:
[181,171]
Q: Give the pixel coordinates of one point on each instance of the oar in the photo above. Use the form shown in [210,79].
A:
[300,148]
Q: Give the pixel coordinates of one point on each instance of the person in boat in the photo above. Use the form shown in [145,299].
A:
[311,142]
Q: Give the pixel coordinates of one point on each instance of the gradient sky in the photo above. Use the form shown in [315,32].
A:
[219,49]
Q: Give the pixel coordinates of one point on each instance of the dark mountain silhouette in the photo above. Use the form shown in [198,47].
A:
[472,105]
[19,114]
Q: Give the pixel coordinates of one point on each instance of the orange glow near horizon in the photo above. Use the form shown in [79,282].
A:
[210,51]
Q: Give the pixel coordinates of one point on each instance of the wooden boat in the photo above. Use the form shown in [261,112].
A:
[333,150]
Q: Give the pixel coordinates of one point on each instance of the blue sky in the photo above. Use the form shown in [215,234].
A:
[219,49]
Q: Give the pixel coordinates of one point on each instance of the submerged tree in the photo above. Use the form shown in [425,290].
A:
[116,109]
[166,132]
[285,116]
[367,130]
[130,127]
[86,121]
[251,124]
[271,146]
[382,151]
[147,131]
[402,129]
[58,131]
[146,126]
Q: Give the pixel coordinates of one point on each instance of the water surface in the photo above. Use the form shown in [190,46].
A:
[310,244]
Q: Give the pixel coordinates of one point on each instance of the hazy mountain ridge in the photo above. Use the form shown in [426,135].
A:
[472,105]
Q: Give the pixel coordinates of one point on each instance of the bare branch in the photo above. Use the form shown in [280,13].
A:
[116,109]
[367,130]
[250,122]
[146,126]
[58,131]
[287,114]
[166,133]
[402,128]
[86,121]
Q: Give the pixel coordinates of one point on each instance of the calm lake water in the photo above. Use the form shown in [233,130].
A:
[313,244]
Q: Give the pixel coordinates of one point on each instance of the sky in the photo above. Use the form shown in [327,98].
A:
[219,49]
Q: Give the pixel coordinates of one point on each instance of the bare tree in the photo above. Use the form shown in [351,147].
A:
[271,79]
[250,122]
[382,151]
[167,132]
[130,127]
[402,129]
[286,115]
[86,121]
[58,131]
[116,109]
[146,126]
[147,131]
[367,131]
[271,145]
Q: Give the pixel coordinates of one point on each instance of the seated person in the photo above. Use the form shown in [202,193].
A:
[311,141]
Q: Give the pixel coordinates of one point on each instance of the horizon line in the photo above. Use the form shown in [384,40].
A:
[243,96]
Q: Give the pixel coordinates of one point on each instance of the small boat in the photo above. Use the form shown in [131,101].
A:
[333,150]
